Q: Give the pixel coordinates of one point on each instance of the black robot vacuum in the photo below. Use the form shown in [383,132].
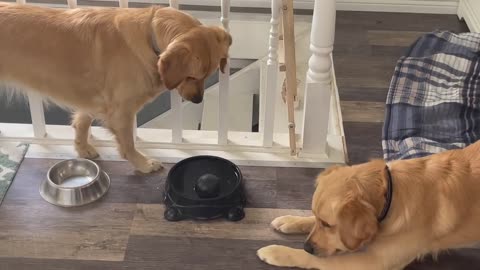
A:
[204,188]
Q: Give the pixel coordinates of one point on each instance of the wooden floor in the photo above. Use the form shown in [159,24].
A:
[126,230]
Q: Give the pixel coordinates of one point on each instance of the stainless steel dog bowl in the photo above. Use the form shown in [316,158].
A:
[74,182]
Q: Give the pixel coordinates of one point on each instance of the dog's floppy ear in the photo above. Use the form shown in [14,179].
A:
[223,63]
[225,40]
[357,224]
[223,37]
[173,65]
[326,172]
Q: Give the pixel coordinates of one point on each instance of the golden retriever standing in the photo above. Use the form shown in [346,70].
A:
[435,206]
[104,63]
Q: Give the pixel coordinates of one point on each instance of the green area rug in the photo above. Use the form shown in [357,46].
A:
[11,155]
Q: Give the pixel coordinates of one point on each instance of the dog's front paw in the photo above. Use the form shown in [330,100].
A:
[292,224]
[285,224]
[86,151]
[151,165]
[280,256]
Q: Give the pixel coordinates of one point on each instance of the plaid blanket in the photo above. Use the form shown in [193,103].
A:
[433,103]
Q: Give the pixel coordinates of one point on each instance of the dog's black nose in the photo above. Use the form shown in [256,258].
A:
[197,99]
[308,247]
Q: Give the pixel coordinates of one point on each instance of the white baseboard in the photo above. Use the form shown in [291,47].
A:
[404,6]
[469,10]
[410,6]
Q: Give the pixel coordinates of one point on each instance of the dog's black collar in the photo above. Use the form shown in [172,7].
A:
[388,196]
[155,47]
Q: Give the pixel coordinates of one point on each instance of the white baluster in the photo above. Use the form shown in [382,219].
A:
[72,3]
[36,107]
[318,88]
[173,3]
[123,3]
[224,84]
[177,119]
[38,114]
[268,100]
[176,104]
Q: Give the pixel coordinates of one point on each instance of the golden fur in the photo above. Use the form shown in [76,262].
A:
[101,63]
[435,207]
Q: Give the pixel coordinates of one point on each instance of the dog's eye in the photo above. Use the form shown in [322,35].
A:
[190,79]
[325,224]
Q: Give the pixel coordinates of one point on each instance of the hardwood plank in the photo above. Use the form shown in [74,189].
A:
[295,187]
[363,141]
[296,175]
[153,253]
[393,38]
[351,40]
[40,230]
[364,71]
[396,51]
[58,264]
[149,221]
[261,194]
[256,173]
[367,94]
[401,21]
[363,111]
[184,252]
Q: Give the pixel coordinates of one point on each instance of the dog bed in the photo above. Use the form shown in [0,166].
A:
[433,103]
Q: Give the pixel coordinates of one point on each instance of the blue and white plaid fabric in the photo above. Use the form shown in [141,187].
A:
[433,103]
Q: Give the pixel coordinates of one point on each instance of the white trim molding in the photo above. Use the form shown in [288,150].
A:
[405,6]
[469,10]
[409,6]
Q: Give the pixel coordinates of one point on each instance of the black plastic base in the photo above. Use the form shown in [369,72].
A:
[234,214]
[204,188]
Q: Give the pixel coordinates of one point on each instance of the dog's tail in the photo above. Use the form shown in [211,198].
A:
[11,94]
[15,95]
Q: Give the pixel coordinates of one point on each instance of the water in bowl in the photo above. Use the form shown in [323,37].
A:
[76,181]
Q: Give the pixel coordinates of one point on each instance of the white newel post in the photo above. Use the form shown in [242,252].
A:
[176,104]
[36,107]
[268,100]
[318,88]
[224,84]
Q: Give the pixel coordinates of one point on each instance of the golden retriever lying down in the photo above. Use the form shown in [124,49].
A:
[435,205]
[103,63]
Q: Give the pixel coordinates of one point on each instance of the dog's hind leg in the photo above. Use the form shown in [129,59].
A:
[81,123]
[293,224]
